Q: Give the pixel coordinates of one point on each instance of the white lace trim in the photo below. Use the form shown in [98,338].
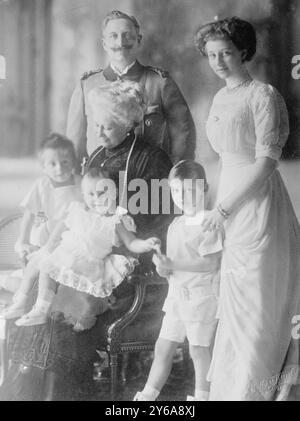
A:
[81,283]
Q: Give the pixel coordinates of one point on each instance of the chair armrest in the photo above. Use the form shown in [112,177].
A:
[116,327]
[140,281]
[147,278]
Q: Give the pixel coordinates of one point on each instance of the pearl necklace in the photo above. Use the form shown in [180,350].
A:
[249,79]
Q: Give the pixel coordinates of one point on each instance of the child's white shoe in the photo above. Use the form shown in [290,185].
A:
[139,396]
[35,317]
[17,308]
[200,396]
[148,394]
[12,312]
[192,398]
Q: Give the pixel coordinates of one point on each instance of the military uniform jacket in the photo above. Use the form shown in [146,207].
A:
[167,123]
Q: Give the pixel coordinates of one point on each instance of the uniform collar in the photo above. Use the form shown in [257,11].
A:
[134,73]
[125,71]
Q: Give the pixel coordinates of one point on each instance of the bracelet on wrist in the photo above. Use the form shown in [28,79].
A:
[222,211]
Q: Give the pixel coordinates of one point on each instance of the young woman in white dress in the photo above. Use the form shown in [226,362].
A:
[255,356]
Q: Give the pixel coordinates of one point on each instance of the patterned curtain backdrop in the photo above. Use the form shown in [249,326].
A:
[24,41]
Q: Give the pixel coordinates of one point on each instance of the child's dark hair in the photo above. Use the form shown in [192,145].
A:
[58,141]
[188,169]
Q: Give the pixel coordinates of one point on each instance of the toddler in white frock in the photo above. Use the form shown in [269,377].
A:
[83,259]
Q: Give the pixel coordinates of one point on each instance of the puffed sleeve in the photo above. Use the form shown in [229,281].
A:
[180,122]
[33,200]
[206,243]
[128,223]
[122,217]
[76,121]
[212,243]
[271,122]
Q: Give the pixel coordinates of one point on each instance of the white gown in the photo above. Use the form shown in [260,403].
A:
[254,353]
[83,260]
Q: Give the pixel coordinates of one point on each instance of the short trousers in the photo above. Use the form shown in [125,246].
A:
[197,333]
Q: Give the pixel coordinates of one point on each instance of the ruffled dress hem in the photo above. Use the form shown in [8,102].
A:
[101,288]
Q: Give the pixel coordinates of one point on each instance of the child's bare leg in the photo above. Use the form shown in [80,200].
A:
[201,359]
[160,369]
[30,276]
[47,287]
[39,314]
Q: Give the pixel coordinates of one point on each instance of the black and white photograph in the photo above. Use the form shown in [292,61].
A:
[150,203]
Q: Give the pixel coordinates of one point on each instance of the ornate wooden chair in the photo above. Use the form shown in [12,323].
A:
[138,329]
[9,261]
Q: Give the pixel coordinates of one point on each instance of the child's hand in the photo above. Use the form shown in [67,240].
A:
[37,253]
[164,265]
[23,250]
[153,243]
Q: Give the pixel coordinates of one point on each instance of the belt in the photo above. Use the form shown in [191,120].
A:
[186,294]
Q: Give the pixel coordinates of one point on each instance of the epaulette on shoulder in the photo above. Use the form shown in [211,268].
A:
[160,72]
[86,75]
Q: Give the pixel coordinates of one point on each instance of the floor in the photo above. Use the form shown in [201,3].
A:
[178,386]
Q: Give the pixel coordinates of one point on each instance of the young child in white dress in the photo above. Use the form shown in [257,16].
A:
[47,201]
[83,259]
[192,268]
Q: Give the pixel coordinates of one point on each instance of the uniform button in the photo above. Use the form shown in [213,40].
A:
[216,118]
[148,122]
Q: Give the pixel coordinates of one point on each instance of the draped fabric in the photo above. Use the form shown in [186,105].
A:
[255,354]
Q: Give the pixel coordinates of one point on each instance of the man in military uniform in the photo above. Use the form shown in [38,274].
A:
[167,123]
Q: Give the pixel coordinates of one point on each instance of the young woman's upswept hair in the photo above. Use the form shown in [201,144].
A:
[237,30]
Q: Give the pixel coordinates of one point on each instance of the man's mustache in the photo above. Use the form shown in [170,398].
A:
[125,47]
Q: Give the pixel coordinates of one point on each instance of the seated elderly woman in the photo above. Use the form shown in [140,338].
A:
[55,348]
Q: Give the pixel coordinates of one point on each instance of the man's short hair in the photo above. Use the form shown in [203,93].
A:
[116,14]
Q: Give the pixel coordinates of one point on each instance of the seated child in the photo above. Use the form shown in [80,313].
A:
[83,260]
[49,197]
[191,267]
